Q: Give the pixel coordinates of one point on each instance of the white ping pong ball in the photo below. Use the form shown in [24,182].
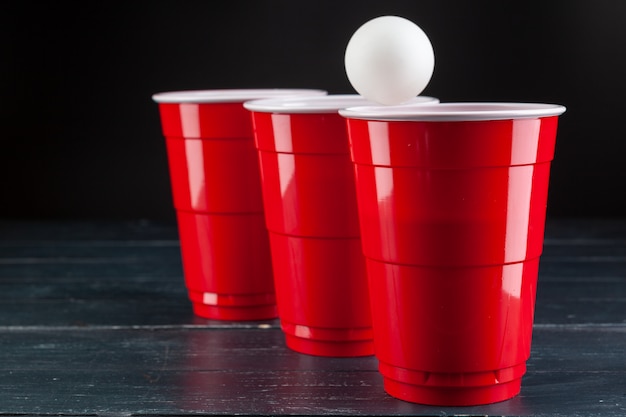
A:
[389,60]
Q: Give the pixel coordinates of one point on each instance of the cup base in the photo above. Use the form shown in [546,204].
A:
[233,306]
[230,313]
[343,349]
[334,342]
[452,389]
[453,397]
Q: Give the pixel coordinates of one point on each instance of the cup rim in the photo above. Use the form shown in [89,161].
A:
[330,103]
[230,95]
[455,111]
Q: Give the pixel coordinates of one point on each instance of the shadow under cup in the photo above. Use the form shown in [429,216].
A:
[452,203]
[216,189]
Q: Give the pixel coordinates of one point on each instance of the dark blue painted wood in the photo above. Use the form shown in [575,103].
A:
[94,320]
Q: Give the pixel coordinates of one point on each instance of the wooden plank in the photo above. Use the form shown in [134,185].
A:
[145,303]
[556,348]
[572,371]
[45,261]
[573,229]
[575,302]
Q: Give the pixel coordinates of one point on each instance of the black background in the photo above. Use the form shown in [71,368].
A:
[80,134]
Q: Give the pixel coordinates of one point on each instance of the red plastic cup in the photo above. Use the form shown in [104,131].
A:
[216,189]
[452,204]
[312,218]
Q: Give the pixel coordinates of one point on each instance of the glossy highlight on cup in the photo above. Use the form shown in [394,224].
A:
[311,213]
[452,203]
[216,189]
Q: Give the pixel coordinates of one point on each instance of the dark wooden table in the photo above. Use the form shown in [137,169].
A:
[94,320]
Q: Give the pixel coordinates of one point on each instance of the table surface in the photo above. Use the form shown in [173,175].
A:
[94,320]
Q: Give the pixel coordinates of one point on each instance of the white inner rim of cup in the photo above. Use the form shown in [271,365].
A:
[230,95]
[470,111]
[319,104]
